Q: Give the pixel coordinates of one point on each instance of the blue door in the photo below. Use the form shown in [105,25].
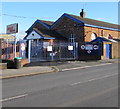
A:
[108,51]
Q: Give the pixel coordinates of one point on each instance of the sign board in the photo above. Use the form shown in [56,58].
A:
[70,47]
[52,54]
[23,46]
[89,51]
[82,47]
[96,47]
[49,48]
[89,47]
[13,28]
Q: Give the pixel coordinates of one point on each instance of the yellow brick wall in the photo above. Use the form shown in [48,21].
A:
[98,31]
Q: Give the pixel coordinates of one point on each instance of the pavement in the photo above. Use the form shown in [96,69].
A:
[35,69]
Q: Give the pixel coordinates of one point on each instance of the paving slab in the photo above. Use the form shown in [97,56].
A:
[25,71]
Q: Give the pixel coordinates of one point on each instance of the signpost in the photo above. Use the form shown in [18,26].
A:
[13,29]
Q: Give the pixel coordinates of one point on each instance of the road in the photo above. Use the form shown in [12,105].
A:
[95,86]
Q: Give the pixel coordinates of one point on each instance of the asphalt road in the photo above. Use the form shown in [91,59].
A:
[95,86]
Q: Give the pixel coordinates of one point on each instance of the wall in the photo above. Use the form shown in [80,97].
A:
[98,31]
[115,50]
[66,27]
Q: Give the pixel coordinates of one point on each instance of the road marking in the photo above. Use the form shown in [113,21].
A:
[15,97]
[85,67]
[106,76]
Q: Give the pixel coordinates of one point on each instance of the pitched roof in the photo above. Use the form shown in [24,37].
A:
[48,33]
[48,23]
[84,21]
[95,22]
[103,39]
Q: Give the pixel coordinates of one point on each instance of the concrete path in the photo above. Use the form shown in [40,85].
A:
[81,64]
[25,71]
[34,70]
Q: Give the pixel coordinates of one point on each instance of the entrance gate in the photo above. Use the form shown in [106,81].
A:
[43,51]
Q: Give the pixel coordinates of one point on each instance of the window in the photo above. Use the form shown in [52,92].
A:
[102,33]
[109,36]
[93,36]
[72,38]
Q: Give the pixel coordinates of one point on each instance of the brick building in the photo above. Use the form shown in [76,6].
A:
[7,46]
[72,28]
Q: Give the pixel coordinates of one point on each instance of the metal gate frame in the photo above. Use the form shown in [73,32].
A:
[57,51]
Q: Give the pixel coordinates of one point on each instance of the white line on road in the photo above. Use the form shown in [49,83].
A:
[85,67]
[106,76]
[15,97]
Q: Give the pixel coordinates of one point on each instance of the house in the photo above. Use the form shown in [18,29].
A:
[71,28]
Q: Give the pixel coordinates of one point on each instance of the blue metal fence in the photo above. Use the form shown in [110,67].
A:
[43,51]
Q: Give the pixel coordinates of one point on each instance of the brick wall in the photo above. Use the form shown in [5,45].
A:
[66,27]
[24,61]
[115,50]
[98,31]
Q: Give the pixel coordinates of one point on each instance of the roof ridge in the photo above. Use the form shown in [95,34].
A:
[92,19]
[45,20]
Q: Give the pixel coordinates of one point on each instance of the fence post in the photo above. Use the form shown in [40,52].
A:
[0,48]
[52,52]
[29,50]
[7,50]
[15,48]
[59,51]
[76,46]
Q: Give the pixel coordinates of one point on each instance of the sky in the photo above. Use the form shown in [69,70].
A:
[26,13]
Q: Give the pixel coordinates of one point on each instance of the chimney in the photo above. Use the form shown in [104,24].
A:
[82,14]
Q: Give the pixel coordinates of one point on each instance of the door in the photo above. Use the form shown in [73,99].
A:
[108,51]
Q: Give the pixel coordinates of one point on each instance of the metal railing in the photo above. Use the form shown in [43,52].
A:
[54,52]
